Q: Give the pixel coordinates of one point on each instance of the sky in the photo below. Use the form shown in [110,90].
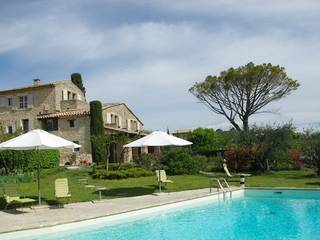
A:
[149,53]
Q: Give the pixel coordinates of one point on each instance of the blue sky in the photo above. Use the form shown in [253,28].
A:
[148,53]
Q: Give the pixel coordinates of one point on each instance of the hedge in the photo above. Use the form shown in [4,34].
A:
[26,161]
[122,174]
[177,161]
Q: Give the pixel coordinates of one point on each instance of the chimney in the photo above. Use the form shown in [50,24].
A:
[36,82]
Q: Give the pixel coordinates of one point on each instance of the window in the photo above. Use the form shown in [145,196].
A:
[74,96]
[23,102]
[134,125]
[115,120]
[72,123]
[10,130]
[76,149]
[25,125]
[50,124]
[9,101]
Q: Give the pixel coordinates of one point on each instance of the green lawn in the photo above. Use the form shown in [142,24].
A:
[147,185]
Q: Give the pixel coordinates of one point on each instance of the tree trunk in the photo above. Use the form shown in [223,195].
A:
[245,123]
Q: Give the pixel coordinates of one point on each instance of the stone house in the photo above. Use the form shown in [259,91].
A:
[61,109]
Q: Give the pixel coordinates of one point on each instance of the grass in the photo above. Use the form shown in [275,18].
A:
[146,185]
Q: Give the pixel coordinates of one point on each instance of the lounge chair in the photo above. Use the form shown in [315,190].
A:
[162,178]
[12,197]
[225,168]
[61,188]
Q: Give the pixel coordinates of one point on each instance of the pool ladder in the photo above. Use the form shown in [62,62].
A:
[222,189]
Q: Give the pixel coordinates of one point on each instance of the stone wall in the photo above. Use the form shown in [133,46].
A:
[122,111]
[69,86]
[38,99]
[73,105]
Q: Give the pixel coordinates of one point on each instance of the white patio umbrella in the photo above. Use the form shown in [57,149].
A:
[37,140]
[158,139]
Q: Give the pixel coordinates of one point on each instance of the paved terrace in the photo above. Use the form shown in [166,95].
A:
[26,218]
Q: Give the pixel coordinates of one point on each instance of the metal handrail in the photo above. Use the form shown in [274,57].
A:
[220,186]
[228,187]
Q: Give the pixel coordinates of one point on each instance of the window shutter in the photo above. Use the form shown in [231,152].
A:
[120,122]
[79,97]
[30,100]
[128,124]
[138,126]
[108,117]
[64,94]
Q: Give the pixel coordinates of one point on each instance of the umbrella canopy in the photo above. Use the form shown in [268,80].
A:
[37,139]
[158,138]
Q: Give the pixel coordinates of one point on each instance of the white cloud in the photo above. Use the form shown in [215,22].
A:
[150,64]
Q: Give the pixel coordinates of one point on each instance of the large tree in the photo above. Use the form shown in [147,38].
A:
[238,93]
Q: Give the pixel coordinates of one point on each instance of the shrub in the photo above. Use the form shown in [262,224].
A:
[239,158]
[27,161]
[296,155]
[179,161]
[147,161]
[122,174]
[112,166]
[214,164]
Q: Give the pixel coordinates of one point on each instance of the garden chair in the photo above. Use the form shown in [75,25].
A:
[61,188]
[162,178]
[226,170]
[12,196]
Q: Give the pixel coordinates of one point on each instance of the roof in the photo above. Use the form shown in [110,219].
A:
[109,105]
[32,87]
[65,114]
[22,89]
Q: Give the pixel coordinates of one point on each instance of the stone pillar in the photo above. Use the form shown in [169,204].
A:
[144,150]
[127,154]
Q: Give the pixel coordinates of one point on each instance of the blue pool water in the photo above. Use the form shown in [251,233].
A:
[260,214]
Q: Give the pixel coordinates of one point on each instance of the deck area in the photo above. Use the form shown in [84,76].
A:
[26,218]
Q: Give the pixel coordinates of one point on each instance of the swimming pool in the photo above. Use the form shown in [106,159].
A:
[253,214]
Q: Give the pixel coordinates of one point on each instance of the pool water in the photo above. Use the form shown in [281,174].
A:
[260,214]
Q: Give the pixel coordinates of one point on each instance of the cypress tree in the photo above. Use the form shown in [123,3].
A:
[76,78]
[98,137]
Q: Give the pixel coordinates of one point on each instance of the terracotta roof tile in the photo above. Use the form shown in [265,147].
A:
[64,114]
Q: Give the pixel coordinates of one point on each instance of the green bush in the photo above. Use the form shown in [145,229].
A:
[147,161]
[122,174]
[112,166]
[27,161]
[214,164]
[17,178]
[177,161]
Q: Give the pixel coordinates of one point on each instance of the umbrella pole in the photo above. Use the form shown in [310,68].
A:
[38,176]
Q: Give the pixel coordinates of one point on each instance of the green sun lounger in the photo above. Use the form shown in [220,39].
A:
[162,178]
[61,188]
[12,197]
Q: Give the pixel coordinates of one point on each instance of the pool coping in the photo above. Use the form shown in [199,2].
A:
[283,188]
[168,204]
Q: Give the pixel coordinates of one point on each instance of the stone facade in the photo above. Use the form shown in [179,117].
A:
[61,109]
[21,108]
